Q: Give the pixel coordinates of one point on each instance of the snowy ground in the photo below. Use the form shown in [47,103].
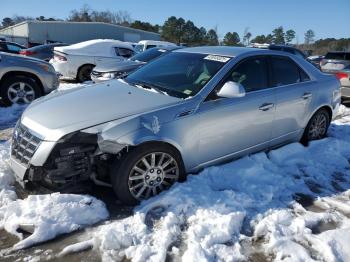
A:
[290,204]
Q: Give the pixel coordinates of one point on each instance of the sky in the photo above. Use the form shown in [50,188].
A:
[327,18]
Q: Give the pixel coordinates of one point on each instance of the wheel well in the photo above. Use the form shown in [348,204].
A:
[329,110]
[25,74]
[150,143]
[80,67]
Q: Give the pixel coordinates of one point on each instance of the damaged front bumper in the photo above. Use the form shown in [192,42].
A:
[19,171]
[67,165]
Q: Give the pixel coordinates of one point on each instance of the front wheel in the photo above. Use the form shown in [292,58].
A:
[317,126]
[146,171]
[19,90]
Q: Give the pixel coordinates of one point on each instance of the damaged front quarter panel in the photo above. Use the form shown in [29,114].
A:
[112,136]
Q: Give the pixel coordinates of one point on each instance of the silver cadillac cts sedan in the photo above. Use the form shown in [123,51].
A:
[189,109]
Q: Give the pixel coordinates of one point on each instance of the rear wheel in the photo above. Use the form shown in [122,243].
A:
[146,171]
[19,90]
[84,73]
[317,126]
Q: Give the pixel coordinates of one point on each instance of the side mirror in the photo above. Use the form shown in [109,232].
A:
[231,90]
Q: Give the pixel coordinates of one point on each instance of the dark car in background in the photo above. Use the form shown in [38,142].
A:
[335,61]
[288,49]
[112,69]
[43,52]
[10,47]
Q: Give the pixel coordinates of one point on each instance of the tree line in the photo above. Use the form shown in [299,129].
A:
[181,31]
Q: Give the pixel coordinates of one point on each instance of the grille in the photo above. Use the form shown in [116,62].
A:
[24,144]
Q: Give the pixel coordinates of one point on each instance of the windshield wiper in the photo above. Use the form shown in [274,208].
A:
[150,86]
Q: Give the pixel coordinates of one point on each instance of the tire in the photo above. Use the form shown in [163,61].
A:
[84,73]
[123,169]
[19,89]
[317,126]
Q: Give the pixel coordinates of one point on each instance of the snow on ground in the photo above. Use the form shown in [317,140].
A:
[251,201]
[7,193]
[10,115]
[290,204]
[45,215]
[50,215]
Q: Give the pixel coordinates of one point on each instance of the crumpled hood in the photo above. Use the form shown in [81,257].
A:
[116,66]
[61,113]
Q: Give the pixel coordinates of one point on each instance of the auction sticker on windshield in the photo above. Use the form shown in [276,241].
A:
[217,58]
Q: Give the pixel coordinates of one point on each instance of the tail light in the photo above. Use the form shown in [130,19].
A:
[26,52]
[60,57]
[341,75]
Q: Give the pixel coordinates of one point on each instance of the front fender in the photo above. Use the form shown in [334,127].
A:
[132,131]
[180,133]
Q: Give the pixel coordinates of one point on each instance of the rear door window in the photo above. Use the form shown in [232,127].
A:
[284,71]
[252,74]
[303,76]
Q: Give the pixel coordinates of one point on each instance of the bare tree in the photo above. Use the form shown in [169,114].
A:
[121,17]
[246,36]
[309,37]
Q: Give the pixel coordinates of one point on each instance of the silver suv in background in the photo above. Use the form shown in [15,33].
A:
[24,79]
[335,61]
[186,110]
[344,78]
[338,64]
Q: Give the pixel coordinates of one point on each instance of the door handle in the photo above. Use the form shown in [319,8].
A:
[306,96]
[266,106]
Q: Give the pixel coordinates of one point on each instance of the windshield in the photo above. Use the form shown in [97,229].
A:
[138,48]
[148,55]
[178,74]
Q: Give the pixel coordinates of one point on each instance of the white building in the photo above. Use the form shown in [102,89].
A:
[41,32]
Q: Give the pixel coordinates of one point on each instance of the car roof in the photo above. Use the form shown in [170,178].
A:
[47,46]
[168,48]
[142,42]
[230,51]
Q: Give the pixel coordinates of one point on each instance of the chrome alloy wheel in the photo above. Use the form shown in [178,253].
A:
[21,93]
[152,174]
[318,127]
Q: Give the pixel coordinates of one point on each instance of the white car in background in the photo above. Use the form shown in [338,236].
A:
[147,44]
[75,62]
